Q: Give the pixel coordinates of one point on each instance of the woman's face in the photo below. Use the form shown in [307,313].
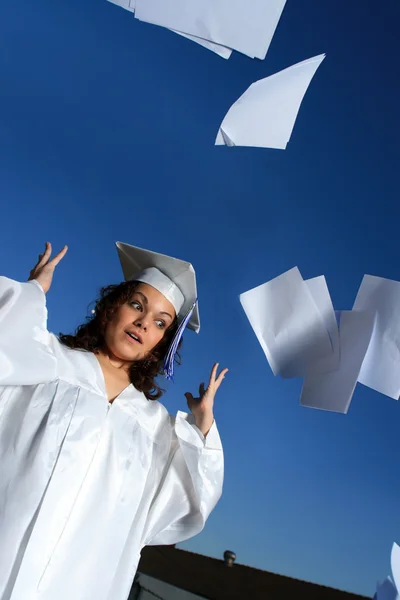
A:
[139,325]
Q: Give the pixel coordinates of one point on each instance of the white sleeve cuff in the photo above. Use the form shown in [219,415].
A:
[35,282]
[187,430]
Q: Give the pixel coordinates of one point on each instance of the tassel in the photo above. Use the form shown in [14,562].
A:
[170,356]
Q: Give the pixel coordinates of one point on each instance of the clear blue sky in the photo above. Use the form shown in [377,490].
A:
[106,133]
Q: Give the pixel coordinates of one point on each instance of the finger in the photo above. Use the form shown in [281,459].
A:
[202,390]
[220,378]
[43,258]
[189,397]
[54,262]
[213,374]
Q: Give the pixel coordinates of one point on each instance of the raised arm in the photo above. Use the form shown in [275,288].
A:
[44,269]
[26,357]
[193,478]
[191,487]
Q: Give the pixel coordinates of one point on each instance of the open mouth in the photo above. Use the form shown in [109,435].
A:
[133,337]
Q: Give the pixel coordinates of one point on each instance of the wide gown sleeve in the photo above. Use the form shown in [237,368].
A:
[26,357]
[191,486]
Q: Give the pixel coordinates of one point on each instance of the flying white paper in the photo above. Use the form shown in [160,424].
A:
[127,4]
[395,564]
[320,293]
[217,48]
[264,116]
[381,367]
[333,391]
[244,26]
[287,323]
[387,590]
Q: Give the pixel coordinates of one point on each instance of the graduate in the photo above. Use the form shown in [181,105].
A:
[92,467]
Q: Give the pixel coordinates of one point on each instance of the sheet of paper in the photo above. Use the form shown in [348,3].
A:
[127,4]
[386,590]
[333,391]
[381,368]
[218,49]
[265,115]
[247,27]
[287,323]
[395,564]
[321,296]
[222,51]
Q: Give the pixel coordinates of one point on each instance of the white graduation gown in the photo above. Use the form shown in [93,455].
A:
[84,485]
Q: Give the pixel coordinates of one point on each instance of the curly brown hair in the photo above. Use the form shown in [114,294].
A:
[90,336]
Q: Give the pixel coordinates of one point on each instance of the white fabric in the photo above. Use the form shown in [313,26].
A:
[84,484]
[153,276]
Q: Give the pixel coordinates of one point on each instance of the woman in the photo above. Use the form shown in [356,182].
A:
[92,466]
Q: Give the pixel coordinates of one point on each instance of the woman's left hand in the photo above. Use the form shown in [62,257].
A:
[202,407]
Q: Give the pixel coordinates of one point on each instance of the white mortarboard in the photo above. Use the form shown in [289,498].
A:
[172,277]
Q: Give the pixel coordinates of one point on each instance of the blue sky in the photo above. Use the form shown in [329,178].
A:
[107,128]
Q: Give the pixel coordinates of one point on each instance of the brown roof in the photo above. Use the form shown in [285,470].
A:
[212,579]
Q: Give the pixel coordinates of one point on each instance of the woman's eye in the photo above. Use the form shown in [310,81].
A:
[136,305]
[160,324]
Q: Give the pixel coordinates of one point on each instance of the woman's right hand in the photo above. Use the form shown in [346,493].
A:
[44,269]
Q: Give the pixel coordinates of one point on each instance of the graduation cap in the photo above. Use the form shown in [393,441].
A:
[173,278]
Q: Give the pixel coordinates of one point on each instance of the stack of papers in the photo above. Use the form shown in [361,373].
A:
[302,336]
[264,116]
[387,589]
[219,25]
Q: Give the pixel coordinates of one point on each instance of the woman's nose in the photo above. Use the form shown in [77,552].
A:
[141,323]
